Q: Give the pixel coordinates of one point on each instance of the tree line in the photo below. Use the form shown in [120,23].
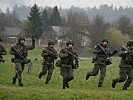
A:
[79,26]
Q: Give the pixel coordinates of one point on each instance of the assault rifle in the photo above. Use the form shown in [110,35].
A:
[53,53]
[108,60]
[124,48]
[21,55]
[71,53]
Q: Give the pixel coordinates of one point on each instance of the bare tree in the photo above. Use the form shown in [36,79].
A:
[76,23]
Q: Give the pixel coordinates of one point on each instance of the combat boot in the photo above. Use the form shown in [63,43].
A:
[67,85]
[124,88]
[20,82]
[64,85]
[113,83]
[46,82]
[13,80]
[99,85]
[40,75]
[87,77]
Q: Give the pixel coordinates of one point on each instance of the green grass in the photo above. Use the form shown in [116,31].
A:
[35,89]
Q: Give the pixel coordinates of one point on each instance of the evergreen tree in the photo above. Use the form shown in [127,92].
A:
[55,18]
[45,20]
[36,22]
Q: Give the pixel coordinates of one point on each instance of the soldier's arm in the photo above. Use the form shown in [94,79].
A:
[63,54]
[44,53]
[30,47]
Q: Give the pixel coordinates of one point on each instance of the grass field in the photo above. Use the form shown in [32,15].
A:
[80,89]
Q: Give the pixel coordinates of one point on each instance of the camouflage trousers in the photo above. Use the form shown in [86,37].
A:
[124,72]
[49,68]
[67,74]
[19,67]
[95,71]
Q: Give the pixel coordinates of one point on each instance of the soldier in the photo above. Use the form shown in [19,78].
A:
[49,54]
[101,60]
[126,66]
[2,51]
[69,61]
[20,52]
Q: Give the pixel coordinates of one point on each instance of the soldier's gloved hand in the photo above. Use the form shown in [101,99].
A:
[125,51]
[114,52]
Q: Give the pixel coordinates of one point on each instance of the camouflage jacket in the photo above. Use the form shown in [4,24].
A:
[49,54]
[126,59]
[101,55]
[2,52]
[67,58]
[24,51]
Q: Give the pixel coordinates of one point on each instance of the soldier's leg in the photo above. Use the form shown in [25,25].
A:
[22,66]
[19,72]
[102,75]
[64,73]
[70,74]
[14,79]
[50,71]
[94,72]
[129,80]
[44,70]
[122,77]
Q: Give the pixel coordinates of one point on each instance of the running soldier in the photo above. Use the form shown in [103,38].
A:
[49,54]
[101,60]
[68,62]
[126,66]
[20,52]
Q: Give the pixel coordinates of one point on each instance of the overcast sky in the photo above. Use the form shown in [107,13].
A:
[65,3]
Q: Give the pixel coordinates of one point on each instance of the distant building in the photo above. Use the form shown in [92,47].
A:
[9,34]
[56,33]
[60,35]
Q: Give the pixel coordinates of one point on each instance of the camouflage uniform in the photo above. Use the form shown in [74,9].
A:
[18,60]
[126,68]
[100,62]
[68,64]
[2,52]
[49,54]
